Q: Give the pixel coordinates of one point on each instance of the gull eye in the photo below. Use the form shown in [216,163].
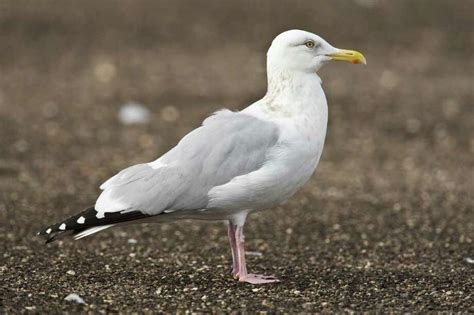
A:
[310,44]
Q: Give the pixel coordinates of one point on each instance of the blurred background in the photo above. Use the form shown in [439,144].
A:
[90,87]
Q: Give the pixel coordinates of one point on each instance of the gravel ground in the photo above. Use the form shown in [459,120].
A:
[385,224]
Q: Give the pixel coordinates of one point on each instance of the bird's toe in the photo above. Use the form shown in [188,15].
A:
[258,279]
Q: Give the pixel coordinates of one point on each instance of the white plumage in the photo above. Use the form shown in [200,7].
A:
[236,162]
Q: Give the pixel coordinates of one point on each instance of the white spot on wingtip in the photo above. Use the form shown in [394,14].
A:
[81,220]
[100,215]
[48,231]
[62,227]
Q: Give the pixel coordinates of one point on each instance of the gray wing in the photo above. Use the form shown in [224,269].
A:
[228,144]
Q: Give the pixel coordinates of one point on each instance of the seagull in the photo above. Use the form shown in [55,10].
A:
[235,163]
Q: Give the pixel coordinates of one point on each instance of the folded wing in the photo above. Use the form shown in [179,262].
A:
[227,145]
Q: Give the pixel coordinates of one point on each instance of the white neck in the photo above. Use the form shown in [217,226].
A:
[284,82]
[290,93]
[295,99]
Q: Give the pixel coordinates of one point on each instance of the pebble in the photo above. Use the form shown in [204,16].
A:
[134,113]
[132,241]
[105,71]
[73,297]
[170,114]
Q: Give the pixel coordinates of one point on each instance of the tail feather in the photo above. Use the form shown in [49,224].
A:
[91,231]
[87,222]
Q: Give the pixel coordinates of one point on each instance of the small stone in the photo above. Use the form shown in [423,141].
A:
[71,272]
[73,297]
[170,114]
[105,71]
[469,260]
[134,113]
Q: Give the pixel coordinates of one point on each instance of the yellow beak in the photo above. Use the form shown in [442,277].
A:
[348,55]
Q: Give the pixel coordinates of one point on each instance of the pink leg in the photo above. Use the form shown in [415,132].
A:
[239,253]
[233,245]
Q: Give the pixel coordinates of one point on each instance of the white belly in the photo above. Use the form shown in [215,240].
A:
[290,165]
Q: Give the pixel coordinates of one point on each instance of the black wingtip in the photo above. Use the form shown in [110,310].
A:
[66,227]
[88,219]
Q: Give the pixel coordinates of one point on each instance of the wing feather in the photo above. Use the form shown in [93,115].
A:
[227,145]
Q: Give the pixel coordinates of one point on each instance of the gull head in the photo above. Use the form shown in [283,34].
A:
[301,51]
